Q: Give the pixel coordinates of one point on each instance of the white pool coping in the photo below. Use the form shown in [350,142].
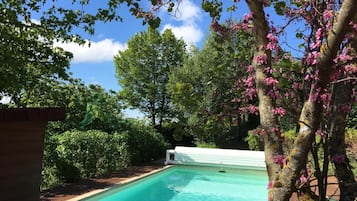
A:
[126,181]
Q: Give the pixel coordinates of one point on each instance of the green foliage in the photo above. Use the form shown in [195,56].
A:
[86,106]
[144,143]
[255,142]
[205,145]
[143,71]
[91,153]
[214,8]
[203,89]
[352,117]
[351,134]
[288,137]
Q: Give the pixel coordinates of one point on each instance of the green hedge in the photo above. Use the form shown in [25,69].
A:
[77,154]
[145,144]
[90,153]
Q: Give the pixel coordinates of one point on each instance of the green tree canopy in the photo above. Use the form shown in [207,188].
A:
[143,71]
[204,89]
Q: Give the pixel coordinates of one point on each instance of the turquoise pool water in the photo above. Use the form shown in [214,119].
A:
[187,183]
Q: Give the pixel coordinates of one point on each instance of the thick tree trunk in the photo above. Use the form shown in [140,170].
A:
[343,171]
[268,120]
[341,95]
[283,181]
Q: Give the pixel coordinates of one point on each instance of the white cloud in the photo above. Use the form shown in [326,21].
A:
[190,33]
[99,51]
[187,11]
[188,15]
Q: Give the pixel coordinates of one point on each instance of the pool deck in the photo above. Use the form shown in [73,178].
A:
[85,188]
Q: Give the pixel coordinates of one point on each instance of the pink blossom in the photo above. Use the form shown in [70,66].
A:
[312,58]
[279,159]
[249,82]
[317,44]
[272,37]
[251,92]
[279,111]
[338,158]
[256,132]
[327,15]
[262,132]
[321,133]
[303,179]
[351,68]
[355,26]
[274,94]
[343,58]
[253,109]
[269,70]
[261,59]
[270,81]
[247,17]
[272,46]
[325,97]
[273,42]
[276,130]
[319,33]
[296,86]
[344,108]
[250,69]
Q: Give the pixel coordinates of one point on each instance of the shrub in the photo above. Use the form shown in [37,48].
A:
[145,144]
[255,142]
[206,145]
[90,153]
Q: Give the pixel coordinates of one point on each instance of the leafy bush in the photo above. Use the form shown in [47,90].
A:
[90,153]
[206,145]
[255,142]
[351,142]
[145,144]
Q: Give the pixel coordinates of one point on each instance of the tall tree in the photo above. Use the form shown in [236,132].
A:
[204,89]
[143,72]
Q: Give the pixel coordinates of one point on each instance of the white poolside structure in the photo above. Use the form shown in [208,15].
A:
[216,157]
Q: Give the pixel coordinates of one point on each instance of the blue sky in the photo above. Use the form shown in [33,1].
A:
[94,64]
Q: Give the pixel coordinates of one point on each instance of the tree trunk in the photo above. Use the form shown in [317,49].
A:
[341,96]
[343,171]
[268,120]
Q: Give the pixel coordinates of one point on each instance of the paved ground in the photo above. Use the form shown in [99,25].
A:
[71,191]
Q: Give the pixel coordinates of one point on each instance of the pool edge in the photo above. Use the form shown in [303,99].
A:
[129,180]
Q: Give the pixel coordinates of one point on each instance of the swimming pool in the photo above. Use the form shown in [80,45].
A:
[189,183]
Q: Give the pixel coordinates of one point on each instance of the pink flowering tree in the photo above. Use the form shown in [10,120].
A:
[329,84]
[327,89]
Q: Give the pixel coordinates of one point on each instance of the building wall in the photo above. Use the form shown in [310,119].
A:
[22,133]
[21,154]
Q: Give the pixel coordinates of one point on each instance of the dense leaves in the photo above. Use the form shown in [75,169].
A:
[204,90]
[91,153]
[143,72]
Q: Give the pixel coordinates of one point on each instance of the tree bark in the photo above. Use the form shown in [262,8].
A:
[268,120]
[343,171]
[342,95]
